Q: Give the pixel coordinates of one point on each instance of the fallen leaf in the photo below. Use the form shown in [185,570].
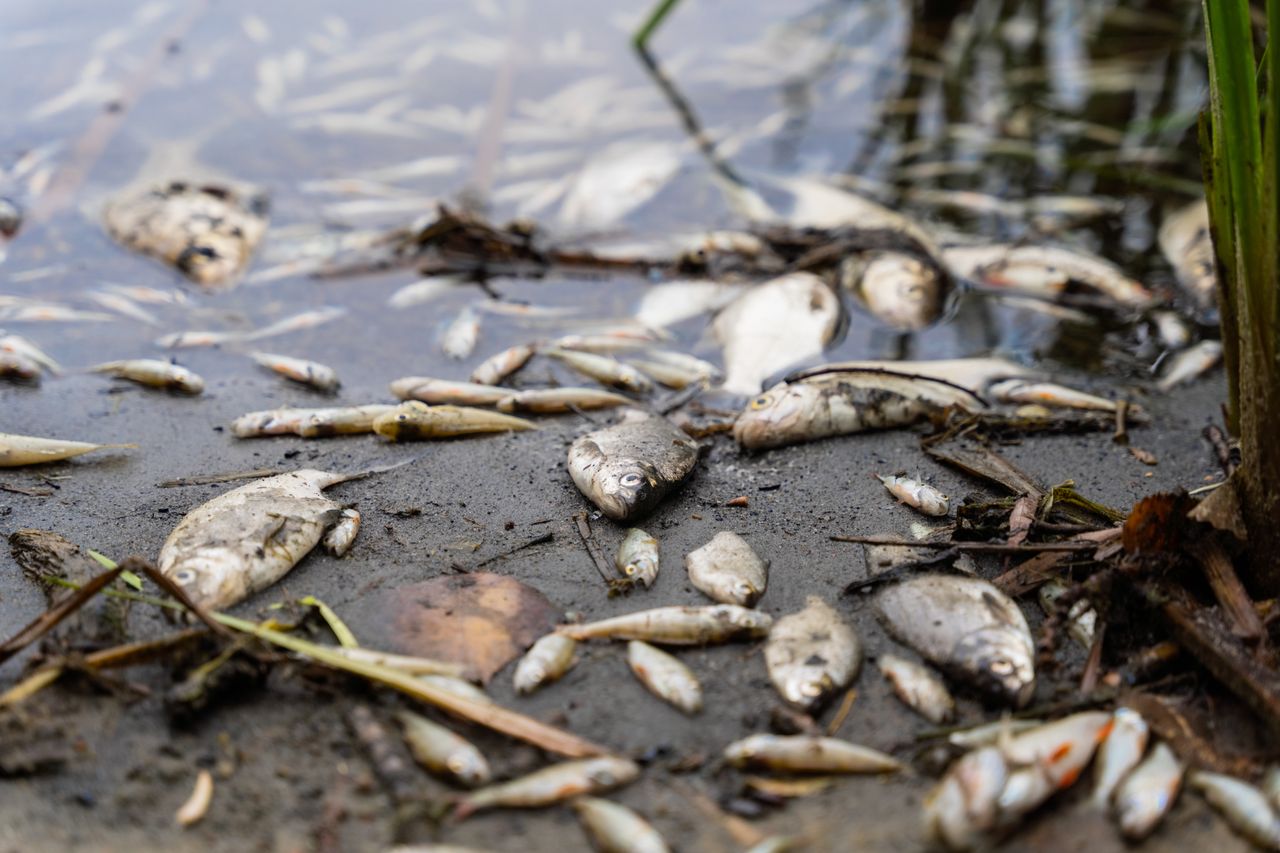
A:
[1146,457]
[1156,524]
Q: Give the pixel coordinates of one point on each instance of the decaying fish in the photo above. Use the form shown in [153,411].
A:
[1147,794]
[49,313]
[1048,394]
[547,660]
[812,654]
[300,370]
[677,626]
[1186,243]
[460,337]
[416,421]
[1048,759]
[960,813]
[615,828]
[17,366]
[1189,364]
[991,733]
[628,468]
[675,369]
[20,346]
[638,557]
[665,676]
[499,366]
[423,291]
[899,290]
[675,301]
[1082,619]
[16,450]
[430,390]
[604,369]
[773,326]
[1044,269]
[154,373]
[207,232]
[1120,753]
[611,339]
[966,627]
[553,784]
[727,570]
[917,495]
[918,688]
[122,304]
[310,423]
[808,754]
[546,401]
[1245,807]
[443,752]
[246,539]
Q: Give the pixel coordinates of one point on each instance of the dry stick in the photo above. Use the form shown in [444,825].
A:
[598,558]
[1236,604]
[46,621]
[537,540]
[980,547]
[221,478]
[846,705]
[1122,431]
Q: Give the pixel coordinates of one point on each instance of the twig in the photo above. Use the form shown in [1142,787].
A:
[1028,574]
[656,16]
[1236,604]
[31,493]
[1122,426]
[1092,666]
[846,705]
[1228,457]
[598,559]
[46,621]
[980,547]
[220,478]
[537,540]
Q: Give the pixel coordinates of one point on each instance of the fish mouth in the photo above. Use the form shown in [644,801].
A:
[999,665]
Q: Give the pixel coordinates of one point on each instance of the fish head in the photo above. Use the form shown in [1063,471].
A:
[627,488]
[776,417]
[210,576]
[806,687]
[469,769]
[999,662]
[901,292]
[743,752]
[611,771]
[748,623]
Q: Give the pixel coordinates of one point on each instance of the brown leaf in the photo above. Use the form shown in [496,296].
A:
[1156,524]
[1221,510]
[1146,457]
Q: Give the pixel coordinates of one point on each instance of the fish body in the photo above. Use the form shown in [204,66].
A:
[967,627]
[17,450]
[1246,808]
[310,423]
[416,421]
[499,366]
[1048,394]
[122,304]
[1048,759]
[559,400]
[49,313]
[546,661]
[628,468]
[604,369]
[811,654]
[1120,753]
[309,373]
[899,290]
[917,495]
[423,291]
[1189,364]
[1147,794]
[727,570]
[638,557]
[918,688]
[429,390]
[961,811]
[665,676]
[673,302]
[1044,269]
[17,366]
[553,784]
[154,373]
[1187,244]
[20,346]
[443,752]
[676,369]
[459,339]
[677,626]
[808,754]
[615,828]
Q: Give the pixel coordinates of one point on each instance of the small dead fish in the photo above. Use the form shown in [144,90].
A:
[628,468]
[546,401]
[808,754]
[1082,619]
[1048,394]
[967,627]
[812,654]
[1245,807]
[960,812]
[918,688]
[1048,759]
[246,539]
[147,295]
[553,784]
[197,805]
[498,367]
[677,626]
[665,676]
[603,369]
[16,450]
[49,313]
[123,305]
[727,570]
[310,373]
[423,291]
[416,421]
[443,752]
[1171,330]
[430,390]
[1147,794]
[1189,364]
[1120,753]
[459,339]
[1044,269]
[1186,243]
[988,734]
[615,828]
[20,346]
[638,557]
[17,366]
[546,661]
[198,338]
[610,340]
[676,301]
[899,290]
[917,495]
[296,323]
[310,423]
[153,373]
[676,369]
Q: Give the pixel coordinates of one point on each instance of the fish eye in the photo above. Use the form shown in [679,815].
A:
[1001,667]
[631,479]
[185,576]
[760,402]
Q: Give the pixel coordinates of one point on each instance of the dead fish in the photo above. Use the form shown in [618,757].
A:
[1048,394]
[615,828]
[1120,753]
[917,495]
[546,401]
[991,733]
[1082,619]
[1044,269]
[676,369]
[638,557]
[296,323]
[459,339]
[1189,364]
[310,373]
[553,784]
[16,450]
[147,295]
[628,468]
[773,326]
[727,570]
[457,686]
[812,654]
[808,754]
[609,340]
[198,338]
[677,626]
[1245,808]
[960,812]
[443,752]
[416,421]
[1187,245]
[430,390]
[50,313]
[498,367]
[676,301]
[603,369]
[1147,794]
[17,366]
[154,373]
[1048,759]
[20,346]
[310,423]
[665,676]
[123,305]
[918,688]
[966,627]
[208,233]
[899,290]
[246,539]
[1171,329]
[197,805]
[423,291]
[546,661]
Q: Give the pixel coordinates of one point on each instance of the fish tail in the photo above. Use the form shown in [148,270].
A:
[463,808]
[118,446]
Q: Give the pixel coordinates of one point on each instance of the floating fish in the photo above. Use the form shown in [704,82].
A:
[677,626]
[430,390]
[808,754]
[1045,269]
[416,421]
[547,401]
[727,570]
[310,423]
[300,370]
[812,654]
[899,290]
[16,450]
[628,468]
[1147,794]
[1190,364]
[966,627]
[443,752]
[615,828]
[459,339]
[603,369]
[665,676]
[638,557]
[498,367]
[917,495]
[551,785]
[918,688]
[1187,245]
[1246,808]
[424,291]
[153,373]
[547,660]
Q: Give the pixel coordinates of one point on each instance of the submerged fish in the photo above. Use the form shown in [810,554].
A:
[1186,243]
[153,373]
[665,676]
[727,570]
[966,627]
[918,688]
[811,654]
[547,659]
[430,390]
[16,450]
[615,828]
[628,468]
[899,290]
[416,421]
[310,373]
[917,495]
[559,400]
[638,557]
[677,626]
[553,784]
[443,752]
[1147,794]
[499,366]
[310,423]
[808,754]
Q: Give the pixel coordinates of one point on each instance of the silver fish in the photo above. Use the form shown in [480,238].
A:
[960,812]
[603,369]
[628,468]
[808,754]
[917,495]
[638,557]
[727,570]
[430,390]
[553,784]
[443,752]
[991,733]
[20,346]
[1147,794]
[559,400]
[1048,759]
[547,660]
[310,423]
[459,339]
[123,305]
[918,688]
[1048,394]
[1246,808]
[416,421]
[1186,243]
[153,373]
[1190,364]
[665,676]
[1044,268]
[17,450]
[899,290]
[811,654]
[677,626]
[966,627]
[675,301]
[300,370]
[1120,753]
[423,291]
[499,366]
[615,828]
